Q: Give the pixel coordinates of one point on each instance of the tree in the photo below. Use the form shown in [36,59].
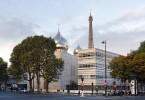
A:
[51,70]
[133,63]
[3,71]
[30,56]
[119,68]
[140,49]
[138,62]
[138,66]
[15,67]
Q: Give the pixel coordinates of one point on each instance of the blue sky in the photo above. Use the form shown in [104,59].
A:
[120,22]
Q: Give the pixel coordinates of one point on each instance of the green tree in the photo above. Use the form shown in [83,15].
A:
[15,67]
[51,70]
[140,49]
[133,63]
[30,56]
[120,68]
[138,66]
[3,71]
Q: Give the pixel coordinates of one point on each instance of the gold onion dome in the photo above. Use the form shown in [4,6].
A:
[77,49]
[61,42]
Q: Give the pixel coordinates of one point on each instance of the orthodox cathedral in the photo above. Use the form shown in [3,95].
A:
[87,63]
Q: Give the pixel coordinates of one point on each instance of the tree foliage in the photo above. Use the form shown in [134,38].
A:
[119,67]
[31,56]
[138,66]
[15,68]
[140,49]
[3,71]
[133,63]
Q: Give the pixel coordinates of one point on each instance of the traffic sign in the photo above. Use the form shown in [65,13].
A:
[108,83]
[82,84]
[104,83]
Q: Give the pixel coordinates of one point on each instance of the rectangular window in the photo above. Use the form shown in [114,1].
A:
[90,65]
[93,76]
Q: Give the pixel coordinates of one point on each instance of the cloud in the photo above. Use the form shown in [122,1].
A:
[128,21]
[123,33]
[15,28]
[2,1]
[13,31]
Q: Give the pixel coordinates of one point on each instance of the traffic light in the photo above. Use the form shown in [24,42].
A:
[114,82]
[104,83]
[114,86]
[92,84]
[122,80]
[82,79]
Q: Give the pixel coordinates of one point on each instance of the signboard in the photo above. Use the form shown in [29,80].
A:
[108,83]
[104,83]
[82,84]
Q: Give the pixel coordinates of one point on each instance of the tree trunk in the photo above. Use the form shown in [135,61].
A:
[125,87]
[30,85]
[46,87]
[30,82]
[38,83]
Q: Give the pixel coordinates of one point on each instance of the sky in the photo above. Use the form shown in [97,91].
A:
[120,22]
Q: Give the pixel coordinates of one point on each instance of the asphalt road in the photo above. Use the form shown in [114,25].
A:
[28,96]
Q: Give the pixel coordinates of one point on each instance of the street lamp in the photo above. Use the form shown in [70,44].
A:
[82,85]
[104,42]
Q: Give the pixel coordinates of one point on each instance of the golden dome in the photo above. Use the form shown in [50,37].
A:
[60,41]
[77,49]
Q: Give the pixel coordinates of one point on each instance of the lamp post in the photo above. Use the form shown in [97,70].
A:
[104,42]
[82,85]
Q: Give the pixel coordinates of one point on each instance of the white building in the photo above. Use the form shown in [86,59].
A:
[91,66]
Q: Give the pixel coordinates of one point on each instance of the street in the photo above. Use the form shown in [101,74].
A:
[29,96]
